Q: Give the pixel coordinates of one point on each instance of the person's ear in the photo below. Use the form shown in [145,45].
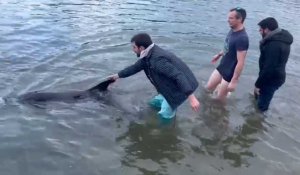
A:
[142,48]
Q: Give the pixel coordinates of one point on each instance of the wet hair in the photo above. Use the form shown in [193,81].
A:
[269,23]
[240,13]
[142,39]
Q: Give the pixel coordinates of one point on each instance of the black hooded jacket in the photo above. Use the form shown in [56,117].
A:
[274,53]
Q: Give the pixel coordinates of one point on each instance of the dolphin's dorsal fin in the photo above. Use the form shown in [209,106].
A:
[103,85]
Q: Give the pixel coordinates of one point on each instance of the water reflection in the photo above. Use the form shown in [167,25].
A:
[220,139]
[153,142]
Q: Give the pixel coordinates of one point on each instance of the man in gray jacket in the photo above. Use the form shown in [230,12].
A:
[171,77]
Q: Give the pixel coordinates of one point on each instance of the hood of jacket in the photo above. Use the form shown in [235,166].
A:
[278,35]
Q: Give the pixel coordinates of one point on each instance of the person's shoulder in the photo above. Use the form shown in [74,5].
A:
[244,33]
[156,49]
[243,36]
[161,52]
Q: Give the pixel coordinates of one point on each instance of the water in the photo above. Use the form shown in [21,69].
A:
[61,45]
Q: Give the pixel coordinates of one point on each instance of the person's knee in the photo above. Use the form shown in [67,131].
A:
[222,91]
[167,114]
[166,111]
[209,88]
[262,105]
[214,81]
[265,98]
[156,102]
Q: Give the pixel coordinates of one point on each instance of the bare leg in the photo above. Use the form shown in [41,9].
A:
[222,90]
[213,81]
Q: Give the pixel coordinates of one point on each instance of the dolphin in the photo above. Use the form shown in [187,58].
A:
[68,96]
[99,92]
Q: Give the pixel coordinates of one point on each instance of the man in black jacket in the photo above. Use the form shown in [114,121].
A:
[274,53]
[171,77]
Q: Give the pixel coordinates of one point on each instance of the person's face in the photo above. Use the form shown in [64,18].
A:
[137,50]
[233,21]
[263,32]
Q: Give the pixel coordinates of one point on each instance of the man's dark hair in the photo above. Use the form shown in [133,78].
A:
[269,23]
[240,13]
[142,39]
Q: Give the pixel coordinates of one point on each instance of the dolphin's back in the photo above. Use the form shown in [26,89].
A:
[54,96]
[68,96]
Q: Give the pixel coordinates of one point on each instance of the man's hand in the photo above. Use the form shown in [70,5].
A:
[195,104]
[113,77]
[216,58]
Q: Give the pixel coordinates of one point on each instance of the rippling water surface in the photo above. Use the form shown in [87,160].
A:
[60,45]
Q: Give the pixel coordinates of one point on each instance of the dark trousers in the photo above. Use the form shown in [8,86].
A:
[265,96]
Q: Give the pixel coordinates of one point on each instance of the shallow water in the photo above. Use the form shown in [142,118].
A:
[71,45]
